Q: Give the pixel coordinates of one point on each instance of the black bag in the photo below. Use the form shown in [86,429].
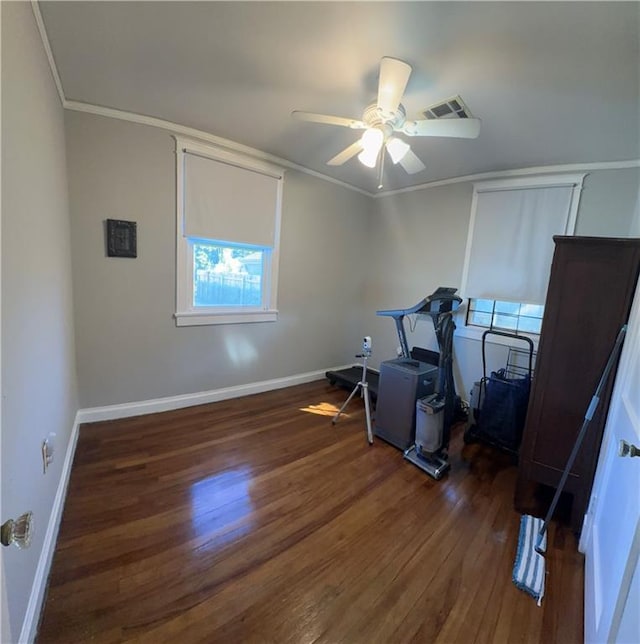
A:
[504,408]
[503,399]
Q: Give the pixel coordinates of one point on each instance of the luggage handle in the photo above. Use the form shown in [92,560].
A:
[505,334]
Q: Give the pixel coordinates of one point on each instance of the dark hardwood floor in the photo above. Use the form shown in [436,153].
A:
[256,520]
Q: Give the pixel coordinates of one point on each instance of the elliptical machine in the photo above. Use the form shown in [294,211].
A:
[435,414]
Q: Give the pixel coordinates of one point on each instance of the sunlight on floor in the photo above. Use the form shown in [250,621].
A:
[451,494]
[220,505]
[321,409]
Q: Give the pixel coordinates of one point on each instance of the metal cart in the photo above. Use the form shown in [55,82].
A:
[499,401]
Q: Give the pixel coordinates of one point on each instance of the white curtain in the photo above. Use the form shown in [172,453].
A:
[510,244]
[229,203]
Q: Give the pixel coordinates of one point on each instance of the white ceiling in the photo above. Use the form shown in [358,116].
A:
[553,83]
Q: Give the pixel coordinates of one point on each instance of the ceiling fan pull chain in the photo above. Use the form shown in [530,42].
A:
[381,168]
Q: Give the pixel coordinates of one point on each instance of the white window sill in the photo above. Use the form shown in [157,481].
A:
[475,333]
[198,318]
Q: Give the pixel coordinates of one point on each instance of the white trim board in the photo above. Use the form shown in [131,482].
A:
[112,412]
[175,128]
[47,48]
[155,405]
[519,172]
[36,598]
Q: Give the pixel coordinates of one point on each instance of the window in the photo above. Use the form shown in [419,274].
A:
[510,248]
[228,228]
[505,316]
[227,275]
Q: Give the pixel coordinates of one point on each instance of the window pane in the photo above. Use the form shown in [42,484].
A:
[511,308]
[479,318]
[509,322]
[482,305]
[227,275]
[532,310]
[530,325]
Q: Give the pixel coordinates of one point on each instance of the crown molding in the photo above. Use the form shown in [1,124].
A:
[47,49]
[176,129]
[520,172]
[183,130]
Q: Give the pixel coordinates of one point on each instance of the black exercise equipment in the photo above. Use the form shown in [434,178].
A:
[433,410]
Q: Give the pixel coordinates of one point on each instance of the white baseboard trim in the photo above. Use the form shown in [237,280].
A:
[34,607]
[126,410]
[112,412]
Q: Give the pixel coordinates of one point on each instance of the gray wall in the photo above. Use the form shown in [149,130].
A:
[343,256]
[608,202]
[419,239]
[39,391]
[128,346]
[635,224]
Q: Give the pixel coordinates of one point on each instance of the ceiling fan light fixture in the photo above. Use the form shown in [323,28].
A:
[397,149]
[372,140]
[369,157]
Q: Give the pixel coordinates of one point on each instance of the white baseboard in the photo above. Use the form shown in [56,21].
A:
[34,607]
[112,412]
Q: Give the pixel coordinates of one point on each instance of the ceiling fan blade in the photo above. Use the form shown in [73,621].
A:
[394,76]
[411,163]
[346,154]
[453,127]
[327,119]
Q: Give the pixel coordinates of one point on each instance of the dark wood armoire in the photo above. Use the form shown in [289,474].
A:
[589,298]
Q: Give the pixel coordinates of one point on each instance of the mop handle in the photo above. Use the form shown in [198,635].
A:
[593,405]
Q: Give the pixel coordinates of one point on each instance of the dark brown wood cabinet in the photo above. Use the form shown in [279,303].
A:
[589,298]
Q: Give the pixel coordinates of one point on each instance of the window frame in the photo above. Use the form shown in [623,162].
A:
[473,331]
[186,314]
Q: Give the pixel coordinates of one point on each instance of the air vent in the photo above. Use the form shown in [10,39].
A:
[451,108]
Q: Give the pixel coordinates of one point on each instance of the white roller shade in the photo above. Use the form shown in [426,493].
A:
[228,203]
[510,245]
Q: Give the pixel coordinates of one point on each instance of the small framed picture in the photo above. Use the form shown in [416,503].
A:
[121,238]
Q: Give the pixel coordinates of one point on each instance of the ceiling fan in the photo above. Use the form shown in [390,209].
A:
[385,119]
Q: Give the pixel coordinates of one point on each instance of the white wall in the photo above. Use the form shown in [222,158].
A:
[128,346]
[39,389]
[418,239]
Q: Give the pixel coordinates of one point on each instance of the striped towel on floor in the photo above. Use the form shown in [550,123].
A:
[529,568]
